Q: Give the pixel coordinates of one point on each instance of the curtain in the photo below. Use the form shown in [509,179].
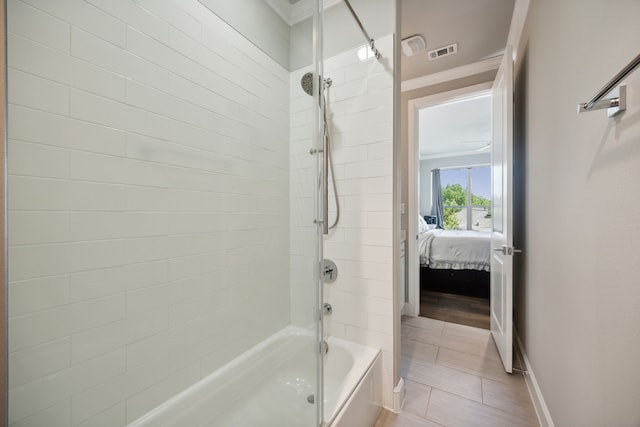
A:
[437,204]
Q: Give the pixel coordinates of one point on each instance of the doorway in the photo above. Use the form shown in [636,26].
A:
[449,260]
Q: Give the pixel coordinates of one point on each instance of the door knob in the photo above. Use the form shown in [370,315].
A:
[507,250]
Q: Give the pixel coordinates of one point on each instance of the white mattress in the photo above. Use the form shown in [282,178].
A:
[456,250]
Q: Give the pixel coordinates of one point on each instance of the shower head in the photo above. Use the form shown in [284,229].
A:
[307,83]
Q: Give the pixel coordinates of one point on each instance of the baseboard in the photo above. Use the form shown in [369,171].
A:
[406,309]
[398,395]
[542,411]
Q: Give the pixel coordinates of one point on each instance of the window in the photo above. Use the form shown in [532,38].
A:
[466,193]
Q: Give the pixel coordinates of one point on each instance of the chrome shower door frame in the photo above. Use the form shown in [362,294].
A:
[319,200]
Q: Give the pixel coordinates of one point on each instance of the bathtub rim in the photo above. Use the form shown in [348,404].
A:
[366,359]
[289,332]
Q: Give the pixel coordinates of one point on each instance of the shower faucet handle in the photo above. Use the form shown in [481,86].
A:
[329,274]
[327,308]
[329,271]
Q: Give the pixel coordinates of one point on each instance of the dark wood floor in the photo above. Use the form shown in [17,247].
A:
[461,309]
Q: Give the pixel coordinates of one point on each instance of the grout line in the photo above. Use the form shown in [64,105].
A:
[428,401]
[478,375]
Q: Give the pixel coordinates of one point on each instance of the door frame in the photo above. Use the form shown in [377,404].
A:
[4,375]
[412,304]
[516,28]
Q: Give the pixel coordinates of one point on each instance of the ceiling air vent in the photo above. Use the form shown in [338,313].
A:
[443,51]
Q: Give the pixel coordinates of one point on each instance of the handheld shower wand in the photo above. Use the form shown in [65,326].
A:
[308,87]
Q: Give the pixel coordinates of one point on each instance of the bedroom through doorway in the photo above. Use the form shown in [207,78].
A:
[454,209]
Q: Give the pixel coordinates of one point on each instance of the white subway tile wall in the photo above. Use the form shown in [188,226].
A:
[303,186]
[361,118]
[360,113]
[148,204]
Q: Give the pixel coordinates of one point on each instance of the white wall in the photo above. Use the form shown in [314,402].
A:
[148,204]
[427,165]
[259,23]
[578,287]
[361,120]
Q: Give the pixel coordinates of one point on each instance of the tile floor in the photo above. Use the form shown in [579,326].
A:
[454,378]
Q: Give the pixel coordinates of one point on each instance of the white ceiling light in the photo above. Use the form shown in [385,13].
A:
[365,53]
[413,45]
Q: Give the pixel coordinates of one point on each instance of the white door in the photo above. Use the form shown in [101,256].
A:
[501,235]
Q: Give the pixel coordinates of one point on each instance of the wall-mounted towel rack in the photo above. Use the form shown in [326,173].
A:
[616,104]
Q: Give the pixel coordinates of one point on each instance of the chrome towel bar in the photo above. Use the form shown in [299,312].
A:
[616,104]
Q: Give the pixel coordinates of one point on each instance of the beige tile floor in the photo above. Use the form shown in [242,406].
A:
[454,378]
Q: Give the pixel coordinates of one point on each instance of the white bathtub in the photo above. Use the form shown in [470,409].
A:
[269,385]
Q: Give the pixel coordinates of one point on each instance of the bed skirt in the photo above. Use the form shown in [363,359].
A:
[473,283]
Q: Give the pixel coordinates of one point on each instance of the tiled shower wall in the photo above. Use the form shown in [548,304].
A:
[361,119]
[148,204]
[360,113]
[303,186]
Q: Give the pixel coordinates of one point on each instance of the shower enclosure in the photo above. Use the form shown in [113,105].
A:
[165,213]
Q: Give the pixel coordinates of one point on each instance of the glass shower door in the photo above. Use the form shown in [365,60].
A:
[162,198]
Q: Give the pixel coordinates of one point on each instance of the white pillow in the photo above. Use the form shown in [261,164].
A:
[422,225]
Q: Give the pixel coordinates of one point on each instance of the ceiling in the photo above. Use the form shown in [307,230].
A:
[480,28]
[455,128]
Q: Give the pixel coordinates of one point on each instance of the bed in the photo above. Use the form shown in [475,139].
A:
[455,250]
[455,261]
